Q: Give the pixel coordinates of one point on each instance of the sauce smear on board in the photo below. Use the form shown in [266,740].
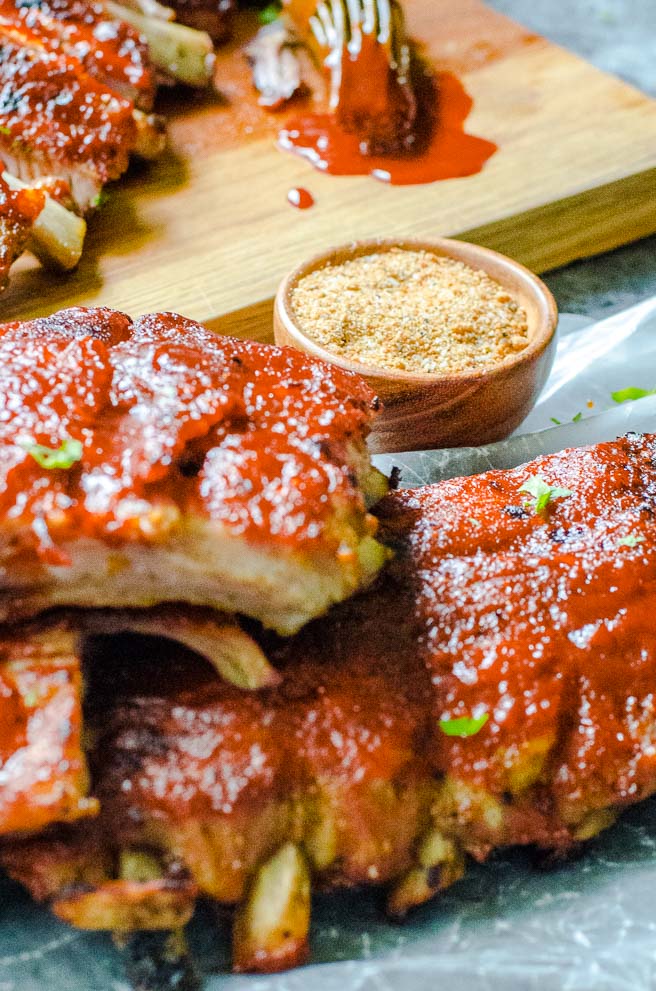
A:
[442,148]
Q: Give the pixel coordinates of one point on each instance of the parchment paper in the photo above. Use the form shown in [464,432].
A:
[589,926]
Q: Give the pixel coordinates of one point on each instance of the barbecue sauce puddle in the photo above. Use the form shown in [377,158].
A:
[441,147]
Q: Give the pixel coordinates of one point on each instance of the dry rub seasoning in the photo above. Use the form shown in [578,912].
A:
[410,311]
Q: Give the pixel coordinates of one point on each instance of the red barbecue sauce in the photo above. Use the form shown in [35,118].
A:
[442,148]
[301,198]
[47,104]
[540,620]
[172,419]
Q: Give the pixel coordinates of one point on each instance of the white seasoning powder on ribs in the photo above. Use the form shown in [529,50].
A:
[410,311]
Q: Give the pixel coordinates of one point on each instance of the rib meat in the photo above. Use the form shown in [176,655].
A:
[43,772]
[18,211]
[110,50]
[43,768]
[539,625]
[56,120]
[218,472]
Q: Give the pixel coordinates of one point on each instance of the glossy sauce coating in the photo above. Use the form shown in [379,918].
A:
[173,420]
[544,622]
[441,148]
[110,50]
[52,110]
[370,92]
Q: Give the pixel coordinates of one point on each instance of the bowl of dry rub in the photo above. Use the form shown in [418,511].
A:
[456,340]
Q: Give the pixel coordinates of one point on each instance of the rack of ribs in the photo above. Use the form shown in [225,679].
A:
[77,82]
[494,687]
[55,120]
[154,462]
[112,52]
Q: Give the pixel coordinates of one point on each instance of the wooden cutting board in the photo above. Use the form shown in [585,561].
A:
[207,231]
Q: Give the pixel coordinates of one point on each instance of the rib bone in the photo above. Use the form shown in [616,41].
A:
[271,926]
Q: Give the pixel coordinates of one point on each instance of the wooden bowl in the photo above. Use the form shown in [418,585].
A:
[429,411]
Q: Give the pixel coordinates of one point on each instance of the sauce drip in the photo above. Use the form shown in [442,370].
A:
[442,148]
[300,198]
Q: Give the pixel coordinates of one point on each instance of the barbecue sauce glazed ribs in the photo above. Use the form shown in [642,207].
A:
[218,472]
[110,50]
[58,121]
[543,621]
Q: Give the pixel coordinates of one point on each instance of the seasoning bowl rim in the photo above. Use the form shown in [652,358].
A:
[474,255]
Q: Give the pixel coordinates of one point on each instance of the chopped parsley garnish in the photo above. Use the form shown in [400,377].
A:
[100,199]
[543,493]
[630,541]
[64,456]
[626,395]
[270,14]
[559,423]
[465,726]
[4,129]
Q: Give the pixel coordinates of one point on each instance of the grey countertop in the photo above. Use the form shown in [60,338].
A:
[618,36]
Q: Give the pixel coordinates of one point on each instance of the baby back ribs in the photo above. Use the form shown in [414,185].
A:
[55,120]
[495,687]
[110,50]
[155,462]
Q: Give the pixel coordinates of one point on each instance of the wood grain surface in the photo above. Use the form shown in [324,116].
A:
[207,231]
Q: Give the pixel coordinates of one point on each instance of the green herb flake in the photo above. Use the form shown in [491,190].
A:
[627,395]
[270,14]
[630,541]
[543,494]
[4,129]
[63,457]
[474,521]
[100,199]
[559,423]
[31,698]
[465,726]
